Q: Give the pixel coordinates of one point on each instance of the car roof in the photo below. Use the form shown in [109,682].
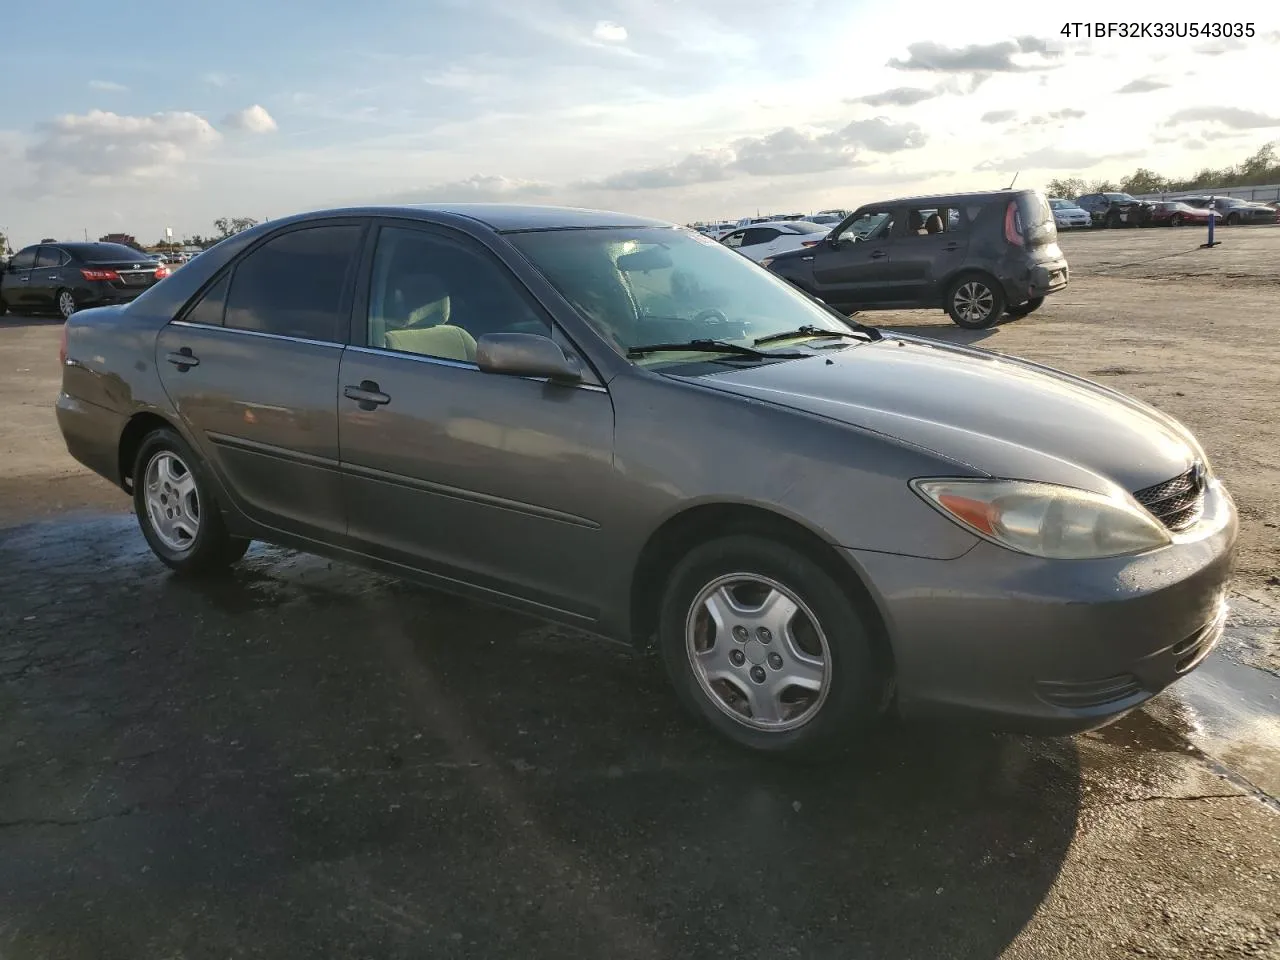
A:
[936,199]
[501,217]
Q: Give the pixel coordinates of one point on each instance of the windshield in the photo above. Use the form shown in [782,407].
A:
[644,285]
[1062,204]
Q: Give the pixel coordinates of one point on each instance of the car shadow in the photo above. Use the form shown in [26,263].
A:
[30,320]
[303,754]
[949,332]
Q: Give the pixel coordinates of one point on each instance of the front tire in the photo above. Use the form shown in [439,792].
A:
[1176,220]
[65,301]
[177,511]
[765,646]
[1233,219]
[975,301]
[1022,309]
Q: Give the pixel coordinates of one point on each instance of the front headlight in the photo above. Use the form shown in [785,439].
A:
[1046,520]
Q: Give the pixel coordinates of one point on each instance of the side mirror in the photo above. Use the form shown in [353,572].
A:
[526,355]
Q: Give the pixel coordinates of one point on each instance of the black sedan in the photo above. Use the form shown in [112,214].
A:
[67,277]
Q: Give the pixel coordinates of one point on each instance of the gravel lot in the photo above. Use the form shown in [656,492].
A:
[308,760]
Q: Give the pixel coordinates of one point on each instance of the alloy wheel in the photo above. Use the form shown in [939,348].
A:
[66,304]
[758,652]
[974,301]
[173,503]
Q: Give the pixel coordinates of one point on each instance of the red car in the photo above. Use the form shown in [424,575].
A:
[1174,213]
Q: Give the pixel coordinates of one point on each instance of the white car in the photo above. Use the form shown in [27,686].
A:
[1067,215]
[765,240]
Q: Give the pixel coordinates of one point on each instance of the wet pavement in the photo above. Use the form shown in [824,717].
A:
[304,759]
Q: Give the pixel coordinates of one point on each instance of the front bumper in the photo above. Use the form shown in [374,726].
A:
[1052,646]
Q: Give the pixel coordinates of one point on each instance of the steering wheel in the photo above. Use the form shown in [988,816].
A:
[710,315]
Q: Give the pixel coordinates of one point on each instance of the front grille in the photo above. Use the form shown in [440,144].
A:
[1080,695]
[1177,503]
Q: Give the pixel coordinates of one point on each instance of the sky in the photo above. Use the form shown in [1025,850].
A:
[679,109]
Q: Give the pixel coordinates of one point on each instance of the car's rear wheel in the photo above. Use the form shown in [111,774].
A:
[176,509]
[765,646]
[1233,219]
[1176,220]
[66,302]
[975,301]
[1113,220]
[1022,309]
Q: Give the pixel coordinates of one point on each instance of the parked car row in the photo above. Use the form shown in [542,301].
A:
[936,531]
[1122,210]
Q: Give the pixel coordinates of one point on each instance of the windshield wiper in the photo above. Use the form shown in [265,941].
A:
[809,330]
[708,346]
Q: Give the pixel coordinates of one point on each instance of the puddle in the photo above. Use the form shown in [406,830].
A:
[1228,709]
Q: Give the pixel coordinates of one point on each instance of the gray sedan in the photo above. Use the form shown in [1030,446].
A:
[624,426]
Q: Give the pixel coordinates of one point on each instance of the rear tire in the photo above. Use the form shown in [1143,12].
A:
[742,617]
[1022,309]
[1113,221]
[65,301]
[975,301]
[177,510]
[1233,219]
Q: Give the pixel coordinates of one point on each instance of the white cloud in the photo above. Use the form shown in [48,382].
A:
[1049,158]
[217,79]
[606,31]
[1231,117]
[254,119]
[101,145]
[477,188]
[108,86]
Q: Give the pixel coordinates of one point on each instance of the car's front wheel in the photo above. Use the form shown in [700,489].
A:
[762,643]
[176,509]
[1233,219]
[1022,309]
[975,301]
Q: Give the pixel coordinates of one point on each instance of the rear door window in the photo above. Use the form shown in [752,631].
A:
[49,257]
[209,309]
[23,259]
[297,284]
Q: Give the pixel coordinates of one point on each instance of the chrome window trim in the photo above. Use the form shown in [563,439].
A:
[460,365]
[257,333]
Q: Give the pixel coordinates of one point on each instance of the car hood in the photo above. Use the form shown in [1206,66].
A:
[997,415]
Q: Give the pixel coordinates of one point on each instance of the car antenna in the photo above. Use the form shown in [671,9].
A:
[1014,180]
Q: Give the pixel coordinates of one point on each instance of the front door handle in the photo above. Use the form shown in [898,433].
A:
[878,254]
[52,276]
[183,359]
[369,395]
[951,247]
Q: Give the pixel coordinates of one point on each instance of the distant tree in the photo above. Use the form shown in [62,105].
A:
[1142,181]
[1068,188]
[1102,186]
[230,226]
[5,249]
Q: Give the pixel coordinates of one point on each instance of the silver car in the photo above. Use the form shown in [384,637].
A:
[625,426]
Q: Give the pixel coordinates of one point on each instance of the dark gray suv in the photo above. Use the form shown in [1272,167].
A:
[628,427]
[978,256]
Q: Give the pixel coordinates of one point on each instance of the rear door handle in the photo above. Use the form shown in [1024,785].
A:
[52,276]
[183,359]
[369,395]
[951,246]
[878,254]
